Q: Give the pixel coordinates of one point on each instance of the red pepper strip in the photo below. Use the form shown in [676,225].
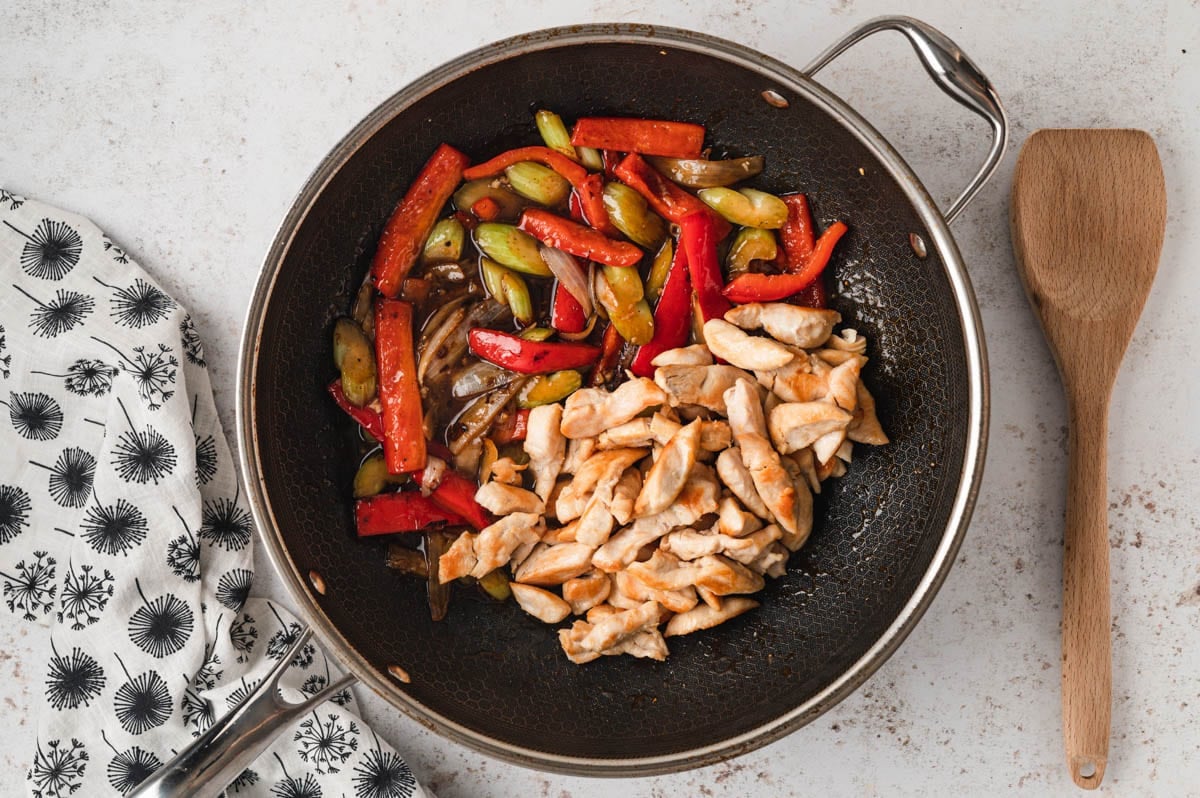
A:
[672,316]
[404,434]
[590,192]
[514,428]
[647,136]
[555,231]
[456,495]
[667,199]
[440,451]
[367,417]
[566,314]
[796,233]
[575,208]
[573,172]
[410,223]
[770,287]
[610,350]
[610,159]
[697,235]
[529,357]
[390,513]
[486,209]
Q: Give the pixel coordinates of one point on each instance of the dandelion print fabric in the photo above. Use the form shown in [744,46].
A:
[124,529]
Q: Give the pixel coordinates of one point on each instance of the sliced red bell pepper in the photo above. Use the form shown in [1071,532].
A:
[572,171]
[610,159]
[647,136]
[672,316]
[770,287]
[404,433]
[486,209]
[392,513]
[668,200]
[590,194]
[796,233]
[610,350]
[411,222]
[575,208]
[523,356]
[562,233]
[367,417]
[468,219]
[566,314]
[456,494]
[698,236]
[514,427]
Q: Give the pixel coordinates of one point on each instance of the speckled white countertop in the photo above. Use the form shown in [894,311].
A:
[184,130]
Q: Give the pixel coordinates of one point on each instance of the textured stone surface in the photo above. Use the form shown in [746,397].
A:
[184,131]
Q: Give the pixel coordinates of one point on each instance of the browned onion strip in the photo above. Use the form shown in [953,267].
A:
[573,278]
[696,173]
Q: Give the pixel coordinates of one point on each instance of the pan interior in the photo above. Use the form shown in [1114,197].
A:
[490,668]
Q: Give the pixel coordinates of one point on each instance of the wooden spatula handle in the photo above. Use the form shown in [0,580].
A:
[1087,661]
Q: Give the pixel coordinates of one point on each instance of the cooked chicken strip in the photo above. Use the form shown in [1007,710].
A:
[579,450]
[629,586]
[546,447]
[586,591]
[772,562]
[609,631]
[698,498]
[709,598]
[508,471]
[843,384]
[670,471]
[630,434]
[702,616]
[597,475]
[774,484]
[495,544]
[541,604]
[866,428]
[694,355]
[624,495]
[458,560]
[750,352]
[790,324]
[826,447]
[795,425]
[590,411]
[724,577]
[647,643]
[735,475]
[806,462]
[502,499]
[699,385]
[688,544]
[596,523]
[553,565]
[733,520]
[847,340]
[803,506]
[798,381]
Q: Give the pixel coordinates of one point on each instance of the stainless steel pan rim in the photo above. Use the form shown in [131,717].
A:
[977,400]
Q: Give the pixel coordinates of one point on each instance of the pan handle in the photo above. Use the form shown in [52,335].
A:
[953,72]
[204,768]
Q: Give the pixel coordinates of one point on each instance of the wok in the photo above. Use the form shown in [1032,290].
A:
[490,676]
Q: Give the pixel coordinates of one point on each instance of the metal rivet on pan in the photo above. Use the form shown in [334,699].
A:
[774,98]
[318,582]
[400,673]
[918,245]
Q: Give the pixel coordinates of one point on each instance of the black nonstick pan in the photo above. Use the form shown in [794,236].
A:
[495,679]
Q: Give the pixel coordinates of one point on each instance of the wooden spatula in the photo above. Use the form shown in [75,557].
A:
[1088,215]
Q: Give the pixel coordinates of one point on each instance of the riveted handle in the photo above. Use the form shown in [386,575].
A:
[953,72]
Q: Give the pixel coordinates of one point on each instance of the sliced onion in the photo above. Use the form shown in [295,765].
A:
[584,333]
[697,173]
[478,416]
[477,378]
[436,341]
[573,278]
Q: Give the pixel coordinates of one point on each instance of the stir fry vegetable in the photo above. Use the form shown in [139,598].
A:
[499,289]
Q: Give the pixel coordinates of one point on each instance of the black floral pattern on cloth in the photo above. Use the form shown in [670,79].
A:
[123,528]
